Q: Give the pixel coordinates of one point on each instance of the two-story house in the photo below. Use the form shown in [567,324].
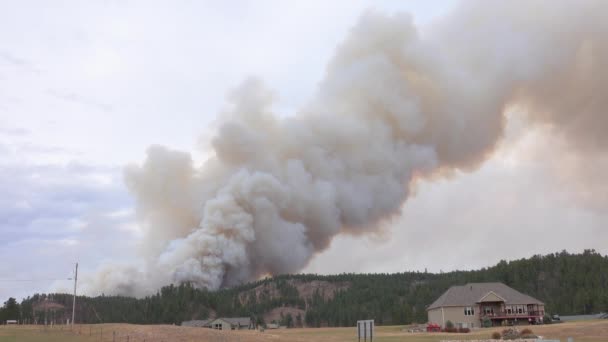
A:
[469,305]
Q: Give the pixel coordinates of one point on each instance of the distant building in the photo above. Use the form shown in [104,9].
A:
[222,323]
[11,321]
[237,323]
[469,305]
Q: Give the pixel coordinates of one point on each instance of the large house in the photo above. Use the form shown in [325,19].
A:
[468,306]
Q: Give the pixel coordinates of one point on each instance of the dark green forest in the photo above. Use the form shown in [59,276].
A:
[567,283]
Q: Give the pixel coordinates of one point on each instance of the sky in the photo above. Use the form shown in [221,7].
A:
[87,87]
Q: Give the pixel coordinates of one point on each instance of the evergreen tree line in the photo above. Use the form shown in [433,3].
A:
[10,310]
[567,283]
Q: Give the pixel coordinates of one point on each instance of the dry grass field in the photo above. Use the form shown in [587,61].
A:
[589,331]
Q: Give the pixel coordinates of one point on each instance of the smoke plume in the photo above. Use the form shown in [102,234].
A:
[393,107]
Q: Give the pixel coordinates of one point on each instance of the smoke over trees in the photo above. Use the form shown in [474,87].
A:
[393,107]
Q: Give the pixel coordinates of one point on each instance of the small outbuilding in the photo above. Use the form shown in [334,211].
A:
[235,323]
[222,323]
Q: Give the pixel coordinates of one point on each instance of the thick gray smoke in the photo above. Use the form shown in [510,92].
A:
[393,107]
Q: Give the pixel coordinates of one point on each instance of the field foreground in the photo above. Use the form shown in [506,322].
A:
[589,331]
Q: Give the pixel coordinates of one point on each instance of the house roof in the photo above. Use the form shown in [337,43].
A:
[240,321]
[196,323]
[473,293]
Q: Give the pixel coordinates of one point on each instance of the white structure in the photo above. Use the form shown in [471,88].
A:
[11,321]
[222,323]
[365,329]
[237,323]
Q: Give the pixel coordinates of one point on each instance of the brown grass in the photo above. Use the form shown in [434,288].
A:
[589,331]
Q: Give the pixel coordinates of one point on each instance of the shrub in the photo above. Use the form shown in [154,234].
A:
[450,330]
[526,331]
[496,335]
[464,330]
[510,334]
[486,322]
[547,319]
[449,324]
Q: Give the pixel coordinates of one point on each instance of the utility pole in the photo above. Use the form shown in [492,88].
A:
[74,300]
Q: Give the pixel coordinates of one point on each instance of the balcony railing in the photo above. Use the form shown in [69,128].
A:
[501,314]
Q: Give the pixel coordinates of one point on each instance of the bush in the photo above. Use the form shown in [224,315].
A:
[486,322]
[496,335]
[510,334]
[547,319]
[449,324]
[526,331]
[464,330]
[450,330]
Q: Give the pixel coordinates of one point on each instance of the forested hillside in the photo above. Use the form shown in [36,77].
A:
[567,283]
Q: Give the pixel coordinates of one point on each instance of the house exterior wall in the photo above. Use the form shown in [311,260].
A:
[456,314]
[220,324]
[435,316]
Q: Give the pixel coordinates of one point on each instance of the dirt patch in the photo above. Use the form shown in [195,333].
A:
[306,290]
[326,289]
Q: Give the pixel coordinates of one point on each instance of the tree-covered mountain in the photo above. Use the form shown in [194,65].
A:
[567,283]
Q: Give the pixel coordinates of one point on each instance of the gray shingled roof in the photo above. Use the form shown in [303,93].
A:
[471,293]
[196,323]
[240,321]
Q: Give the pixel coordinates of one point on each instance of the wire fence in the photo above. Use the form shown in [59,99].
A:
[103,333]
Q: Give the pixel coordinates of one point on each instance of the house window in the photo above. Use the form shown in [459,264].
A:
[509,310]
[520,310]
[469,311]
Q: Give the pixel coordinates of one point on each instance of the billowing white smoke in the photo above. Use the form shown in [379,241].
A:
[393,106]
